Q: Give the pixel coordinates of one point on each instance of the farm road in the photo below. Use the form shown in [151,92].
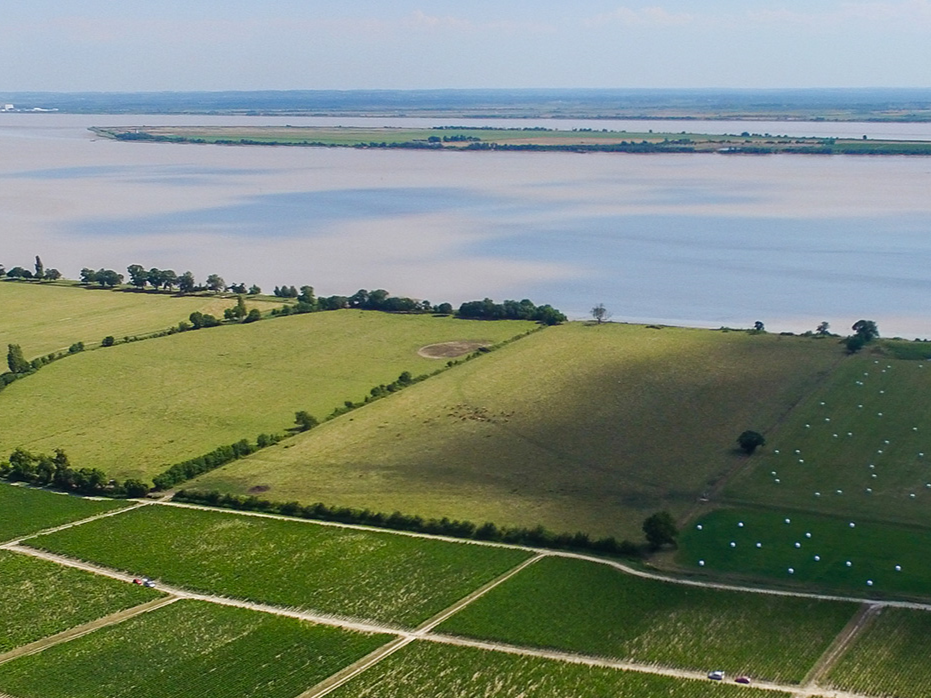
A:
[403,637]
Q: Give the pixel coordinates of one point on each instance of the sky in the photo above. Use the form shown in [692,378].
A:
[183,45]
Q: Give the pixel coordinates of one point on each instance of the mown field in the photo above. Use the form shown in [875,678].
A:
[134,409]
[578,427]
[429,670]
[380,576]
[189,649]
[39,598]
[890,658]
[45,318]
[586,607]
[858,445]
[24,510]
[810,550]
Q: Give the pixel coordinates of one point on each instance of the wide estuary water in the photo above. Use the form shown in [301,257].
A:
[703,240]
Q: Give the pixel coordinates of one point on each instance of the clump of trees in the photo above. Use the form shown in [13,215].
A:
[511,310]
[56,471]
[660,529]
[864,332]
[40,273]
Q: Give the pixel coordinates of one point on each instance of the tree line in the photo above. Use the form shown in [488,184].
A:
[537,536]
[40,273]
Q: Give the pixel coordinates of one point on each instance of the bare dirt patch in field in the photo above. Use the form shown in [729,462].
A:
[450,350]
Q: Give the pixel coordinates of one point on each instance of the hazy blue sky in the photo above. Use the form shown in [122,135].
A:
[310,44]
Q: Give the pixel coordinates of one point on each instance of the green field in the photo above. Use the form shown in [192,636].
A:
[577,428]
[860,445]
[189,649]
[586,607]
[45,318]
[134,409]
[874,550]
[890,658]
[428,670]
[381,576]
[24,510]
[39,598]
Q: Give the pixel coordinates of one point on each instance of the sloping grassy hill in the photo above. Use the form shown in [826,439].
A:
[578,427]
[44,318]
[133,409]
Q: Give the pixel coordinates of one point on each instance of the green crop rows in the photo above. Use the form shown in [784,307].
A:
[382,576]
[428,670]
[793,548]
[39,598]
[890,658]
[24,510]
[187,649]
[590,608]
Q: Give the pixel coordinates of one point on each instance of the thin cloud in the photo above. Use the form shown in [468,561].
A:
[645,16]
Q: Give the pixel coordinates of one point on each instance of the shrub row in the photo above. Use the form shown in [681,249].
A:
[538,537]
[221,455]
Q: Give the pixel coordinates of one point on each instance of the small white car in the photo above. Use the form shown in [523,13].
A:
[716,675]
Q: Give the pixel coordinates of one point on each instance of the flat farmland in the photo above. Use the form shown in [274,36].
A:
[890,658]
[39,598]
[430,670]
[25,510]
[859,445]
[381,576]
[45,318]
[585,607]
[172,398]
[186,649]
[579,427]
[855,556]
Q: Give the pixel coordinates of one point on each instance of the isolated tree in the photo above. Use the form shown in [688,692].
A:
[216,283]
[19,273]
[186,283]
[169,279]
[305,421]
[866,329]
[88,276]
[108,341]
[758,326]
[660,529]
[254,290]
[600,313]
[853,343]
[253,315]
[15,359]
[40,268]
[108,278]
[750,440]
[155,277]
[823,329]
[138,276]
[52,274]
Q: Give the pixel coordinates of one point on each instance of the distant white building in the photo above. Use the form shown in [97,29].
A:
[7,107]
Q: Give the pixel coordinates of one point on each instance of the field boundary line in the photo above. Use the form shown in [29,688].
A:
[55,529]
[346,674]
[86,628]
[848,634]
[549,552]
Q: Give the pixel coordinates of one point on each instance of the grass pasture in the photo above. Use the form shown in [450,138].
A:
[429,670]
[380,576]
[873,549]
[580,606]
[45,318]
[187,649]
[859,445]
[890,658]
[577,428]
[164,400]
[24,510]
[39,598]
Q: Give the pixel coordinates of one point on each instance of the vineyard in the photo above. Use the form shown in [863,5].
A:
[889,659]
[429,670]
[589,608]
[24,511]
[380,576]
[855,556]
[33,605]
[187,649]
